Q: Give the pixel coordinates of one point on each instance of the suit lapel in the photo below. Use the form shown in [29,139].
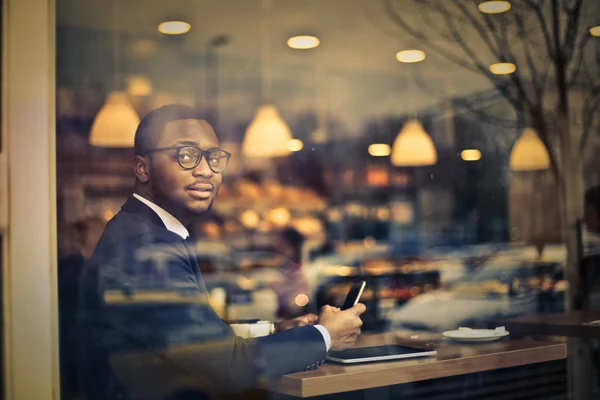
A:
[134,206]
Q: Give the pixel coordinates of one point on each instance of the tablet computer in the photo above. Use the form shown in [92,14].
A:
[377,353]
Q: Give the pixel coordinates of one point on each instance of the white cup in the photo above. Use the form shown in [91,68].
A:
[253,330]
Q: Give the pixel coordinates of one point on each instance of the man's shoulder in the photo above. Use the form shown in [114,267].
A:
[129,232]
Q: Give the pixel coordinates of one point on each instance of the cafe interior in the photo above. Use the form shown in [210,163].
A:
[440,151]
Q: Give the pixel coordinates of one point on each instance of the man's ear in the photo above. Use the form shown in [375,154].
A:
[141,169]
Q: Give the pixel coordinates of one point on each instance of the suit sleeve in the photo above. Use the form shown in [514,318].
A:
[150,317]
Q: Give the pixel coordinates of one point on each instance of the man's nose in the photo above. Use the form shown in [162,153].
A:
[202,169]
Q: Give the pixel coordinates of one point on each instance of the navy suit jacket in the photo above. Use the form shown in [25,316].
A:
[142,293]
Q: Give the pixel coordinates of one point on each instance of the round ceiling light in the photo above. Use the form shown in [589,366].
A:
[471,155]
[174,27]
[595,31]
[494,7]
[379,150]
[503,68]
[410,56]
[303,42]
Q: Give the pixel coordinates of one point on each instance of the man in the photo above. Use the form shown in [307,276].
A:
[145,315]
[590,264]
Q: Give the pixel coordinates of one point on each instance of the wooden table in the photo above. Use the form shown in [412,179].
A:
[452,359]
[570,324]
[575,326]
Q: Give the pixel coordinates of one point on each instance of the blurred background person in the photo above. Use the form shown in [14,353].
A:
[590,264]
[291,287]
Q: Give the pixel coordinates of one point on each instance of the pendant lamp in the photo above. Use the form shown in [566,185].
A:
[529,153]
[267,135]
[413,147]
[116,122]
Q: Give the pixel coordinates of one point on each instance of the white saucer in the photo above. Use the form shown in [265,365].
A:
[476,335]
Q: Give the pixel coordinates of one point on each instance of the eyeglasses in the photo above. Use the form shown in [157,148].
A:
[189,157]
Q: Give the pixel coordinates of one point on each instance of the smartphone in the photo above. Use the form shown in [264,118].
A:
[354,295]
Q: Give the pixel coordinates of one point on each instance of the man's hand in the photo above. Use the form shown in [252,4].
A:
[343,326]
[308,319]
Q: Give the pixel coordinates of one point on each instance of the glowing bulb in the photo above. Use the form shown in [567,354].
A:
[471,155]
[295,145]
[303,42]
[174,27]
[301,300]
[410,56]
[379,150]
[494,7]
[503,68]
[595,31]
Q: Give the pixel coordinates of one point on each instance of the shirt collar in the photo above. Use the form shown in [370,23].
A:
[171,223]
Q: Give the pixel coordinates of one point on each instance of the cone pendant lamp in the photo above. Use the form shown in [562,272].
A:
[267,135]
[529,153]
[116,122]
[413,147]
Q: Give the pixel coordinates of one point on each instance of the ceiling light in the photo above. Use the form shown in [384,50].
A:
[595,31]
[268,135]
[413,147]
[295,145]
[116,123]
[494,7]
[174,27]
[529,153]
[471,155]
[410,56]
[503,68]
[303,42]
[379,150]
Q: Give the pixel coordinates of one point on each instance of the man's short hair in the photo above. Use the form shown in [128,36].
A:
[592,197]
[153,124]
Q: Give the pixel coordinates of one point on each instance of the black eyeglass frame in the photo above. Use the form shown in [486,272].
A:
[203,154]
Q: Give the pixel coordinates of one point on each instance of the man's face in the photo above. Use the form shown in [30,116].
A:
[184,192]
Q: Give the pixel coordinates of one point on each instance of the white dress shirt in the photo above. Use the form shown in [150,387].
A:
[175,226]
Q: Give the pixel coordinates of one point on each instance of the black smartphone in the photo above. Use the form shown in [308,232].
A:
[354,295]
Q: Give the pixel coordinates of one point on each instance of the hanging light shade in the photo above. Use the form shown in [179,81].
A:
[268,135]
[116,123]
[413,147]
[529,153]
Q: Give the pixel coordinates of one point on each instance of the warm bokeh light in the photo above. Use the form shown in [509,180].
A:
[595,31]
[303,42]
[174,27]
[295,145]
[301,300]
[410,56]
[249,219]
[379,150]
[494,7]
[279,216]
[503,68]
[529,153]
[413,147]
[139,85]
[470,155]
